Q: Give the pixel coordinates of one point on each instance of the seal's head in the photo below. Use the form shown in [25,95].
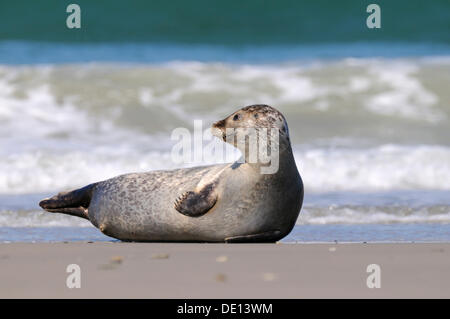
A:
[260,132]
[249,118]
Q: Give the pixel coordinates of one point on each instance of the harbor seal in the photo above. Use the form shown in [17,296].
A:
[233,202]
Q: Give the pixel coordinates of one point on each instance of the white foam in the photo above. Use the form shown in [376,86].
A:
[309,215]
[388,167]
[403,94]
[373,215]
[384,87]
[52,140]
[385,167]
[40,219]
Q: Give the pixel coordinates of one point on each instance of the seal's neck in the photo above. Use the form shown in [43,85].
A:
[269,158]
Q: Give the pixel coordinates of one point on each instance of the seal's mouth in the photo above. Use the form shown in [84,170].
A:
[218,129]
[219,133]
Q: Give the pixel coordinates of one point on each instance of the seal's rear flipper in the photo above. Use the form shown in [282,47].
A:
[73,203]
[266,237]
[74,211]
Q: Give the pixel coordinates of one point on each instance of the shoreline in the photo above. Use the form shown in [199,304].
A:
[333,233]
[175,270]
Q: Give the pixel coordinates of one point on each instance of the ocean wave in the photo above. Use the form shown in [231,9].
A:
[176,92]
[387,167]
[347,214]
[310,215]
[39,219]
[356,124]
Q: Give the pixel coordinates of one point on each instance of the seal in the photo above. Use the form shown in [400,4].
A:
[233,202]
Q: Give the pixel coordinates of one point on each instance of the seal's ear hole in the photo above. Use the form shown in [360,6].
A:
[236,117]
[256,115]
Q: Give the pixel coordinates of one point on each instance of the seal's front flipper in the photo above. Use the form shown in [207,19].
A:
[266,237]
[197,203]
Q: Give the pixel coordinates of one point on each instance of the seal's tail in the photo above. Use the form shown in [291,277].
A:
[73,203]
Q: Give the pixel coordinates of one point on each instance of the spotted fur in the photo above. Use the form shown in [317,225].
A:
[217,203]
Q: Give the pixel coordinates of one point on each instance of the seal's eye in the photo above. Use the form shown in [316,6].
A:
[236,117]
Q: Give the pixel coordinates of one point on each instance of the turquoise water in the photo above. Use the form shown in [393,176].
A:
[28,52]
[236,23]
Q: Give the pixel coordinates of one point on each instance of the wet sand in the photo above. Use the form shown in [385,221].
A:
[157,270]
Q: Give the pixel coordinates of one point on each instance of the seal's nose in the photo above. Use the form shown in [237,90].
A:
[219,124]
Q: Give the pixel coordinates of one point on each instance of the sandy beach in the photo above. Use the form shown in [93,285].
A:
[158,270]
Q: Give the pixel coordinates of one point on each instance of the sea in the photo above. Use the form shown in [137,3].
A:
[368,109]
